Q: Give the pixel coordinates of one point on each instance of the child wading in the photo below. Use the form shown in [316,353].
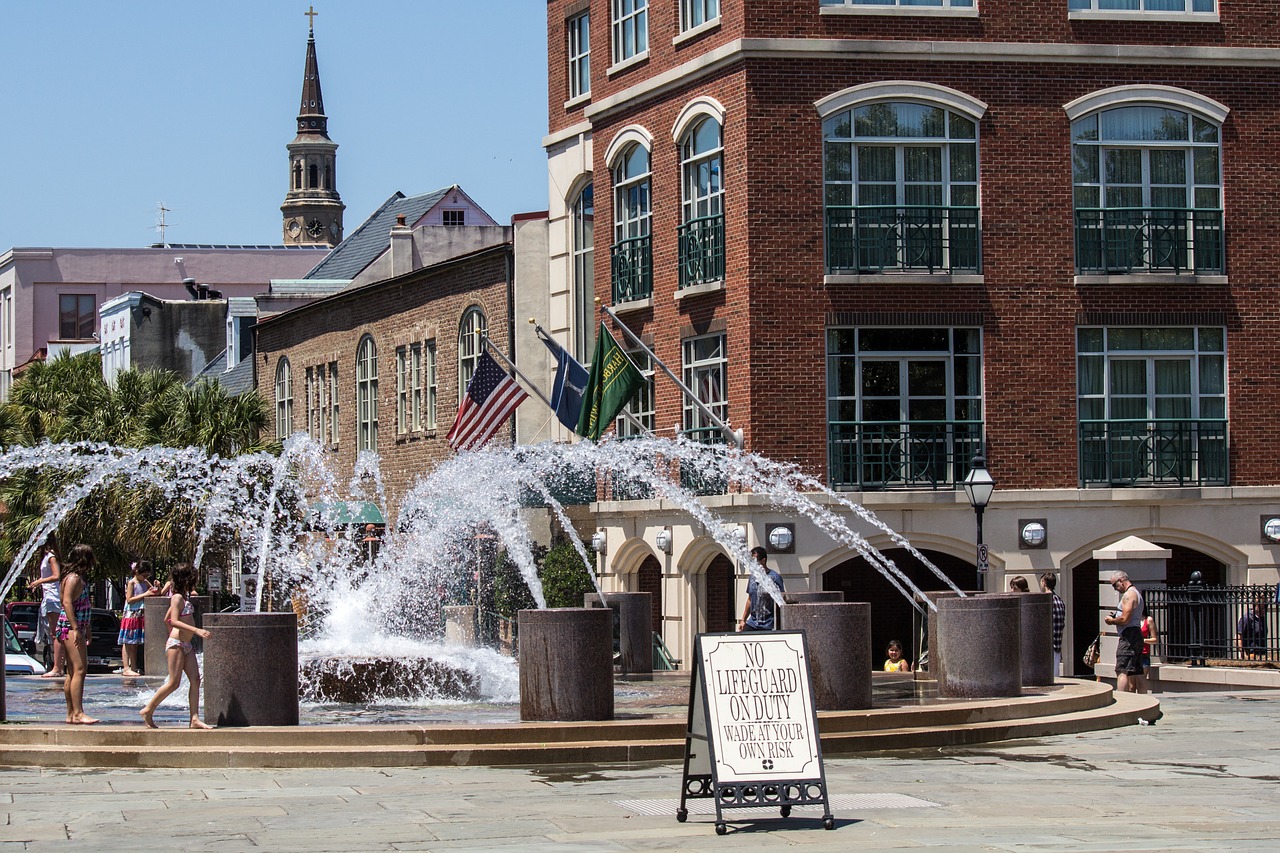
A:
[177,649]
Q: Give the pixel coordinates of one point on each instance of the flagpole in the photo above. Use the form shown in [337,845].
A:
[734,437]
[485,343]
[631,419]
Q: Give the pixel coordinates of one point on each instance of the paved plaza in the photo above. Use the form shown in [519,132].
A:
[1206,777]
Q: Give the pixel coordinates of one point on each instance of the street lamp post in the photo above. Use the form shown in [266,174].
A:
[978,486]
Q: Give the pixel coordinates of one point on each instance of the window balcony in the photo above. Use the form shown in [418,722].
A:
[702,251]
[903,239]
[875,456]
[632,262]
[1155,452]
[1148,240]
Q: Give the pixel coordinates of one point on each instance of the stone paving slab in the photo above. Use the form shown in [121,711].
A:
[1205,778]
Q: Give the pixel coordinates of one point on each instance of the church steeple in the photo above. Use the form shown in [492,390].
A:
[312,208]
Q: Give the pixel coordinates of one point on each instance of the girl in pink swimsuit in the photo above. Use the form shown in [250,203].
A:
[177,649]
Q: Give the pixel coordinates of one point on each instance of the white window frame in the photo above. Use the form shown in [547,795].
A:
[402,390]
[695,368]
[313,407]
[367,394]
[334,423]
[473,327]
[284,399]
[582,232]
[632,197]
[1098,10]
[415,387]
[433,386]
[949,8]
[695,200]
[578,48]
[629,21]
[698,15]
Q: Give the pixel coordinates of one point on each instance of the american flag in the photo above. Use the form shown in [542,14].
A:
[492,395]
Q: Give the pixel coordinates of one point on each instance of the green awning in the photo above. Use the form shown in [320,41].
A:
[324,514]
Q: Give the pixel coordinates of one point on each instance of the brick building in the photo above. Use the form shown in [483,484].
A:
[883,236]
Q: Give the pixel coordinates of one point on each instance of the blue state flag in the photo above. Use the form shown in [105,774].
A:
[571,381]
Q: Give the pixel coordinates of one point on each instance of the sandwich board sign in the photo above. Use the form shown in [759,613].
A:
[752,735]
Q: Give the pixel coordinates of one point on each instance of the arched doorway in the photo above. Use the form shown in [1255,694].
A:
[1086,602]
[892,616]
[649,579]
[720,609]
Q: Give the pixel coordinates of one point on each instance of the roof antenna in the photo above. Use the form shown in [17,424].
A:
[162,225]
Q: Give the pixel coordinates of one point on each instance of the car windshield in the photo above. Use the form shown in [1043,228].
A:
[11,646]
[24,613]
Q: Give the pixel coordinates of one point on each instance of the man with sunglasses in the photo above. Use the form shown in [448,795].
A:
[1128,618]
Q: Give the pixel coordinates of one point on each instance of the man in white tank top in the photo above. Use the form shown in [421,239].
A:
[1128,618]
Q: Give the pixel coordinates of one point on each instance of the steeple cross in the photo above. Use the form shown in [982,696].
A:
[311,13]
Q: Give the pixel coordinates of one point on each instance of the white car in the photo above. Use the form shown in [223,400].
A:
[15,661]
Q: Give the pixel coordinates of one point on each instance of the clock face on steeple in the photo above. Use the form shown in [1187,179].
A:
[315,228]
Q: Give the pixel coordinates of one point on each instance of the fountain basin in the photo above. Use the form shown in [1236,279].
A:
[357,680]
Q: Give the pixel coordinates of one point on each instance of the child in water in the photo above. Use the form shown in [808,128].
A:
[178,651]
[896,662]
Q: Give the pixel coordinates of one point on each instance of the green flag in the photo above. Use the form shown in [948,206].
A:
[614,380]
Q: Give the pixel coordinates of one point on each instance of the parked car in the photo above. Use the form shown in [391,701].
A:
[104,650]
[23,616]
[16,661]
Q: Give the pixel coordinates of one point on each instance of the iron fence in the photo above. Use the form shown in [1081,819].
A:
[1153,452]
[873,456]
[1148,240]
[702,250]
[1203,625]
[632,265]
[877,238]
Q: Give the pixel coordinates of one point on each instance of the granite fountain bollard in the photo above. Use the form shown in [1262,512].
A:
[460,625]
[155,632]
[1037,639]
[839,641]
[935,663]
[633,615]
[979,639]
[566,664]
[805,597]
[251,669]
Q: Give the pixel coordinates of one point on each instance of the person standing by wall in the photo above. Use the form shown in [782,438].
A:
[1128,618]
[760,614]
[1049,584]
[50,603]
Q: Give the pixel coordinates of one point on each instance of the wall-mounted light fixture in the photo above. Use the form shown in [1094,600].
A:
[739,534]
[598,541]
[1033,533]
[663,540]
[1271,529]
[782,538]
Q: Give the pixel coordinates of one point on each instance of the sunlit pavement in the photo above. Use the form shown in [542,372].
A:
[1206,777]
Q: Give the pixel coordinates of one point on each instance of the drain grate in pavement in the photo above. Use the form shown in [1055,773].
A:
[839,803]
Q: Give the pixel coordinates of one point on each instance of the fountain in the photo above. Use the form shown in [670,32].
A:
[374,630]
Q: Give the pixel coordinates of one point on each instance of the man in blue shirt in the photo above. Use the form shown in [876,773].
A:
[761,610]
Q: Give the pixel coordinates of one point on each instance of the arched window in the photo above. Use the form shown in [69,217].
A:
[1148,191]
[472,328]
[328,176]
[367,394]
[584,290]
[901,183]
[284,400]
[313,176]
[702,195]
[632,258]
[297,174]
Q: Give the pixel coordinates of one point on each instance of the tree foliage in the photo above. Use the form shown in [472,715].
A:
[66,399]
[565,580]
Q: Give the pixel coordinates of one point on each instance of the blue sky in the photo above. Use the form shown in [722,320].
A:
[112,107]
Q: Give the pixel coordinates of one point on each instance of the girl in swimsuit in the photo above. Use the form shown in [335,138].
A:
[74,630]
[177,649]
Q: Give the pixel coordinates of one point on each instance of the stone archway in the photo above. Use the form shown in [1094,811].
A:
[892,616]
[721,613]
[649,579]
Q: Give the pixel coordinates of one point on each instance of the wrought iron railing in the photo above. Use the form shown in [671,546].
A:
[704,480]
[872,456]
[1207,624]
[1124,240]
[702,250]
[632,269]
[1154,452]
[903,238]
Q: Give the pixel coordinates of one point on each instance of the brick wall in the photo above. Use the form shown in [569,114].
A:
[775,306]
[414,308]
